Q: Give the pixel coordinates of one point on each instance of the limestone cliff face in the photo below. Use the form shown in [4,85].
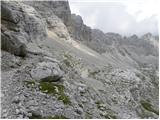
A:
[60,8]
[58,13]
[78,30]
[21,24]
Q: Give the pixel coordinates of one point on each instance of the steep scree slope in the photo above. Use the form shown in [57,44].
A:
[54,66]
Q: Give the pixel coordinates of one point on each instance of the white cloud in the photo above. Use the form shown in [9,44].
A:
[122,16]
[143,9]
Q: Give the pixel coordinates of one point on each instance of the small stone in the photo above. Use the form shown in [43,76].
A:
[20,117]
[102,113]
[102,107]
[29,114]
[41,93]
[51,59]
[37,88]
[5,115]
[81,89]
[59,106]
[33,108]
[16,100]
[27,94]
[79,110]
[17,111]
[83,99]
[26,117]
[4,110]
[20,105]
[47,96]
[2,95]
[44,102]
[22,98]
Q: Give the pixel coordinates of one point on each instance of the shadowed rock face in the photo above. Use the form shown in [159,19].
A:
[55,67]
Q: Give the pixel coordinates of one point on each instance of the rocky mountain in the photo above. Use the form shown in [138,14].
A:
[54,66]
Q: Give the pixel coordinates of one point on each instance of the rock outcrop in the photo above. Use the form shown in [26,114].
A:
[59,8]
[78,30]
[60,20]
[56,14]
[21,24]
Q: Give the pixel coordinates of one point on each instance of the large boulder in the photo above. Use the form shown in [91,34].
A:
[20,24]
[47,71]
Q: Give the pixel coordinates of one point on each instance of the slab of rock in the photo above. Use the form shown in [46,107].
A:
[47,71]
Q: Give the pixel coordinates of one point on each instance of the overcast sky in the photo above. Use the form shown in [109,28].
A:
[126,17]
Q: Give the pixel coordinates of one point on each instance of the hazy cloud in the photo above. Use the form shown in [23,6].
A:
[124,17]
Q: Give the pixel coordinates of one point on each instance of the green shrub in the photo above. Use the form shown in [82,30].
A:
[64,98]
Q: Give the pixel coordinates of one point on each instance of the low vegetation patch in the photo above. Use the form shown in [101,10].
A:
[68,60]
[67,63]
[146,105]
[54,89]
[98,103]
[88,115]
[110,116]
